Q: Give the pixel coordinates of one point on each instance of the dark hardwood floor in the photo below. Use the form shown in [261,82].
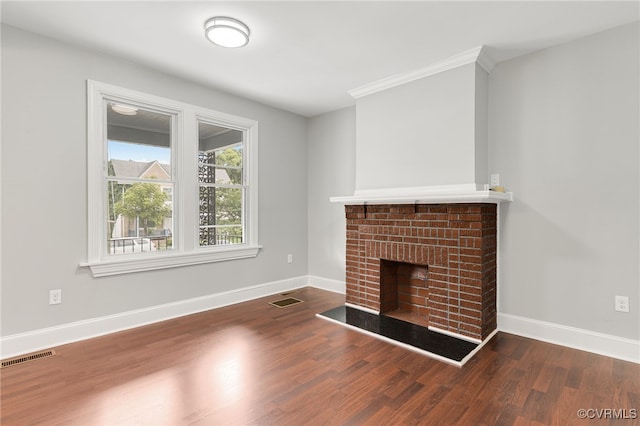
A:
[254,363]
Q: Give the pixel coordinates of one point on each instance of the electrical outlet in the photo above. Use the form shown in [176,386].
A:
[622,303]
[289,258]
[55,297]
[494,180]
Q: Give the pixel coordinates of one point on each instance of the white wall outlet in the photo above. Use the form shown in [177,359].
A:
[622,303]
[289,258]
[494,179]
[55,297]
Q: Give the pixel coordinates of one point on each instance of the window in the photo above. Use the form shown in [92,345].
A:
[221,185]
[170,184]
[139,179]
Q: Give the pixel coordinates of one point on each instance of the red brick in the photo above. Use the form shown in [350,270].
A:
[456,241]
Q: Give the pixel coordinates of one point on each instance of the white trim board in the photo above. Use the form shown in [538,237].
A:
[572,337]
[460,336]
[394,342]
[45,338]
[362,308]
[335,286]
[460,363]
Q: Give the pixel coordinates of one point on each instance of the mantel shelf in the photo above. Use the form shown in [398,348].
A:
[426,198]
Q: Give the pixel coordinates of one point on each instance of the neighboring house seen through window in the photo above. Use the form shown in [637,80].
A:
[170,184]
[139,180]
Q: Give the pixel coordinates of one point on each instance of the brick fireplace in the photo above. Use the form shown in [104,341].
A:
[432,264]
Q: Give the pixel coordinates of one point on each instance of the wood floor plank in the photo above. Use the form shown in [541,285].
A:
[253,363]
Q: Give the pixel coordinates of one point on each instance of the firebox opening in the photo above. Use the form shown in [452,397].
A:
[404,291]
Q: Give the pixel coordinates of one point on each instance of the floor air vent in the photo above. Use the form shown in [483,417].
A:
[27,358]
[282,303]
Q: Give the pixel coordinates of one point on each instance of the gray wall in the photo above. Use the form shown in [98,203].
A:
[44,199]
[331,172]
[563,134]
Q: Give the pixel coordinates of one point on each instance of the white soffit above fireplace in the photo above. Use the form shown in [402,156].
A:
[460,156]
[425,195]
[477,54]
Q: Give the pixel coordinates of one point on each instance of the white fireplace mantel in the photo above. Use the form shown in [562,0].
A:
[470,193]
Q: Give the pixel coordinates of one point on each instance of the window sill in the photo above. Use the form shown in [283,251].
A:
[129,265]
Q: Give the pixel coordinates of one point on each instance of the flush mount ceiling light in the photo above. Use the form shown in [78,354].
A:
[226,32]
[124,110]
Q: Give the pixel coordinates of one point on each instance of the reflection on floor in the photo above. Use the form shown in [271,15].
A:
[408,334]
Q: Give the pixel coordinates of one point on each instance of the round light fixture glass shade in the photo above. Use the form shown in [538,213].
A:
[226,32]
[124,109]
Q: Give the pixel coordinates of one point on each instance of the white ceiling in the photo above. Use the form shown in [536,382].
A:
[304,56]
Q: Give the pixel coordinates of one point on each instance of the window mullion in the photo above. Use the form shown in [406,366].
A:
[189,179]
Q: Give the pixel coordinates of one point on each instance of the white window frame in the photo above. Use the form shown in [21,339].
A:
[184,163]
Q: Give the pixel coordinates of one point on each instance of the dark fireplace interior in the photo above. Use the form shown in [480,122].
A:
[404,291]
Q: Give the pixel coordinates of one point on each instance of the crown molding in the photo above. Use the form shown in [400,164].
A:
[477,55]
[485,61]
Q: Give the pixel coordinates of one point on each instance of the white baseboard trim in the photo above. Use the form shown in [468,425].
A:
[577,338]
[328,284]
[36,340]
